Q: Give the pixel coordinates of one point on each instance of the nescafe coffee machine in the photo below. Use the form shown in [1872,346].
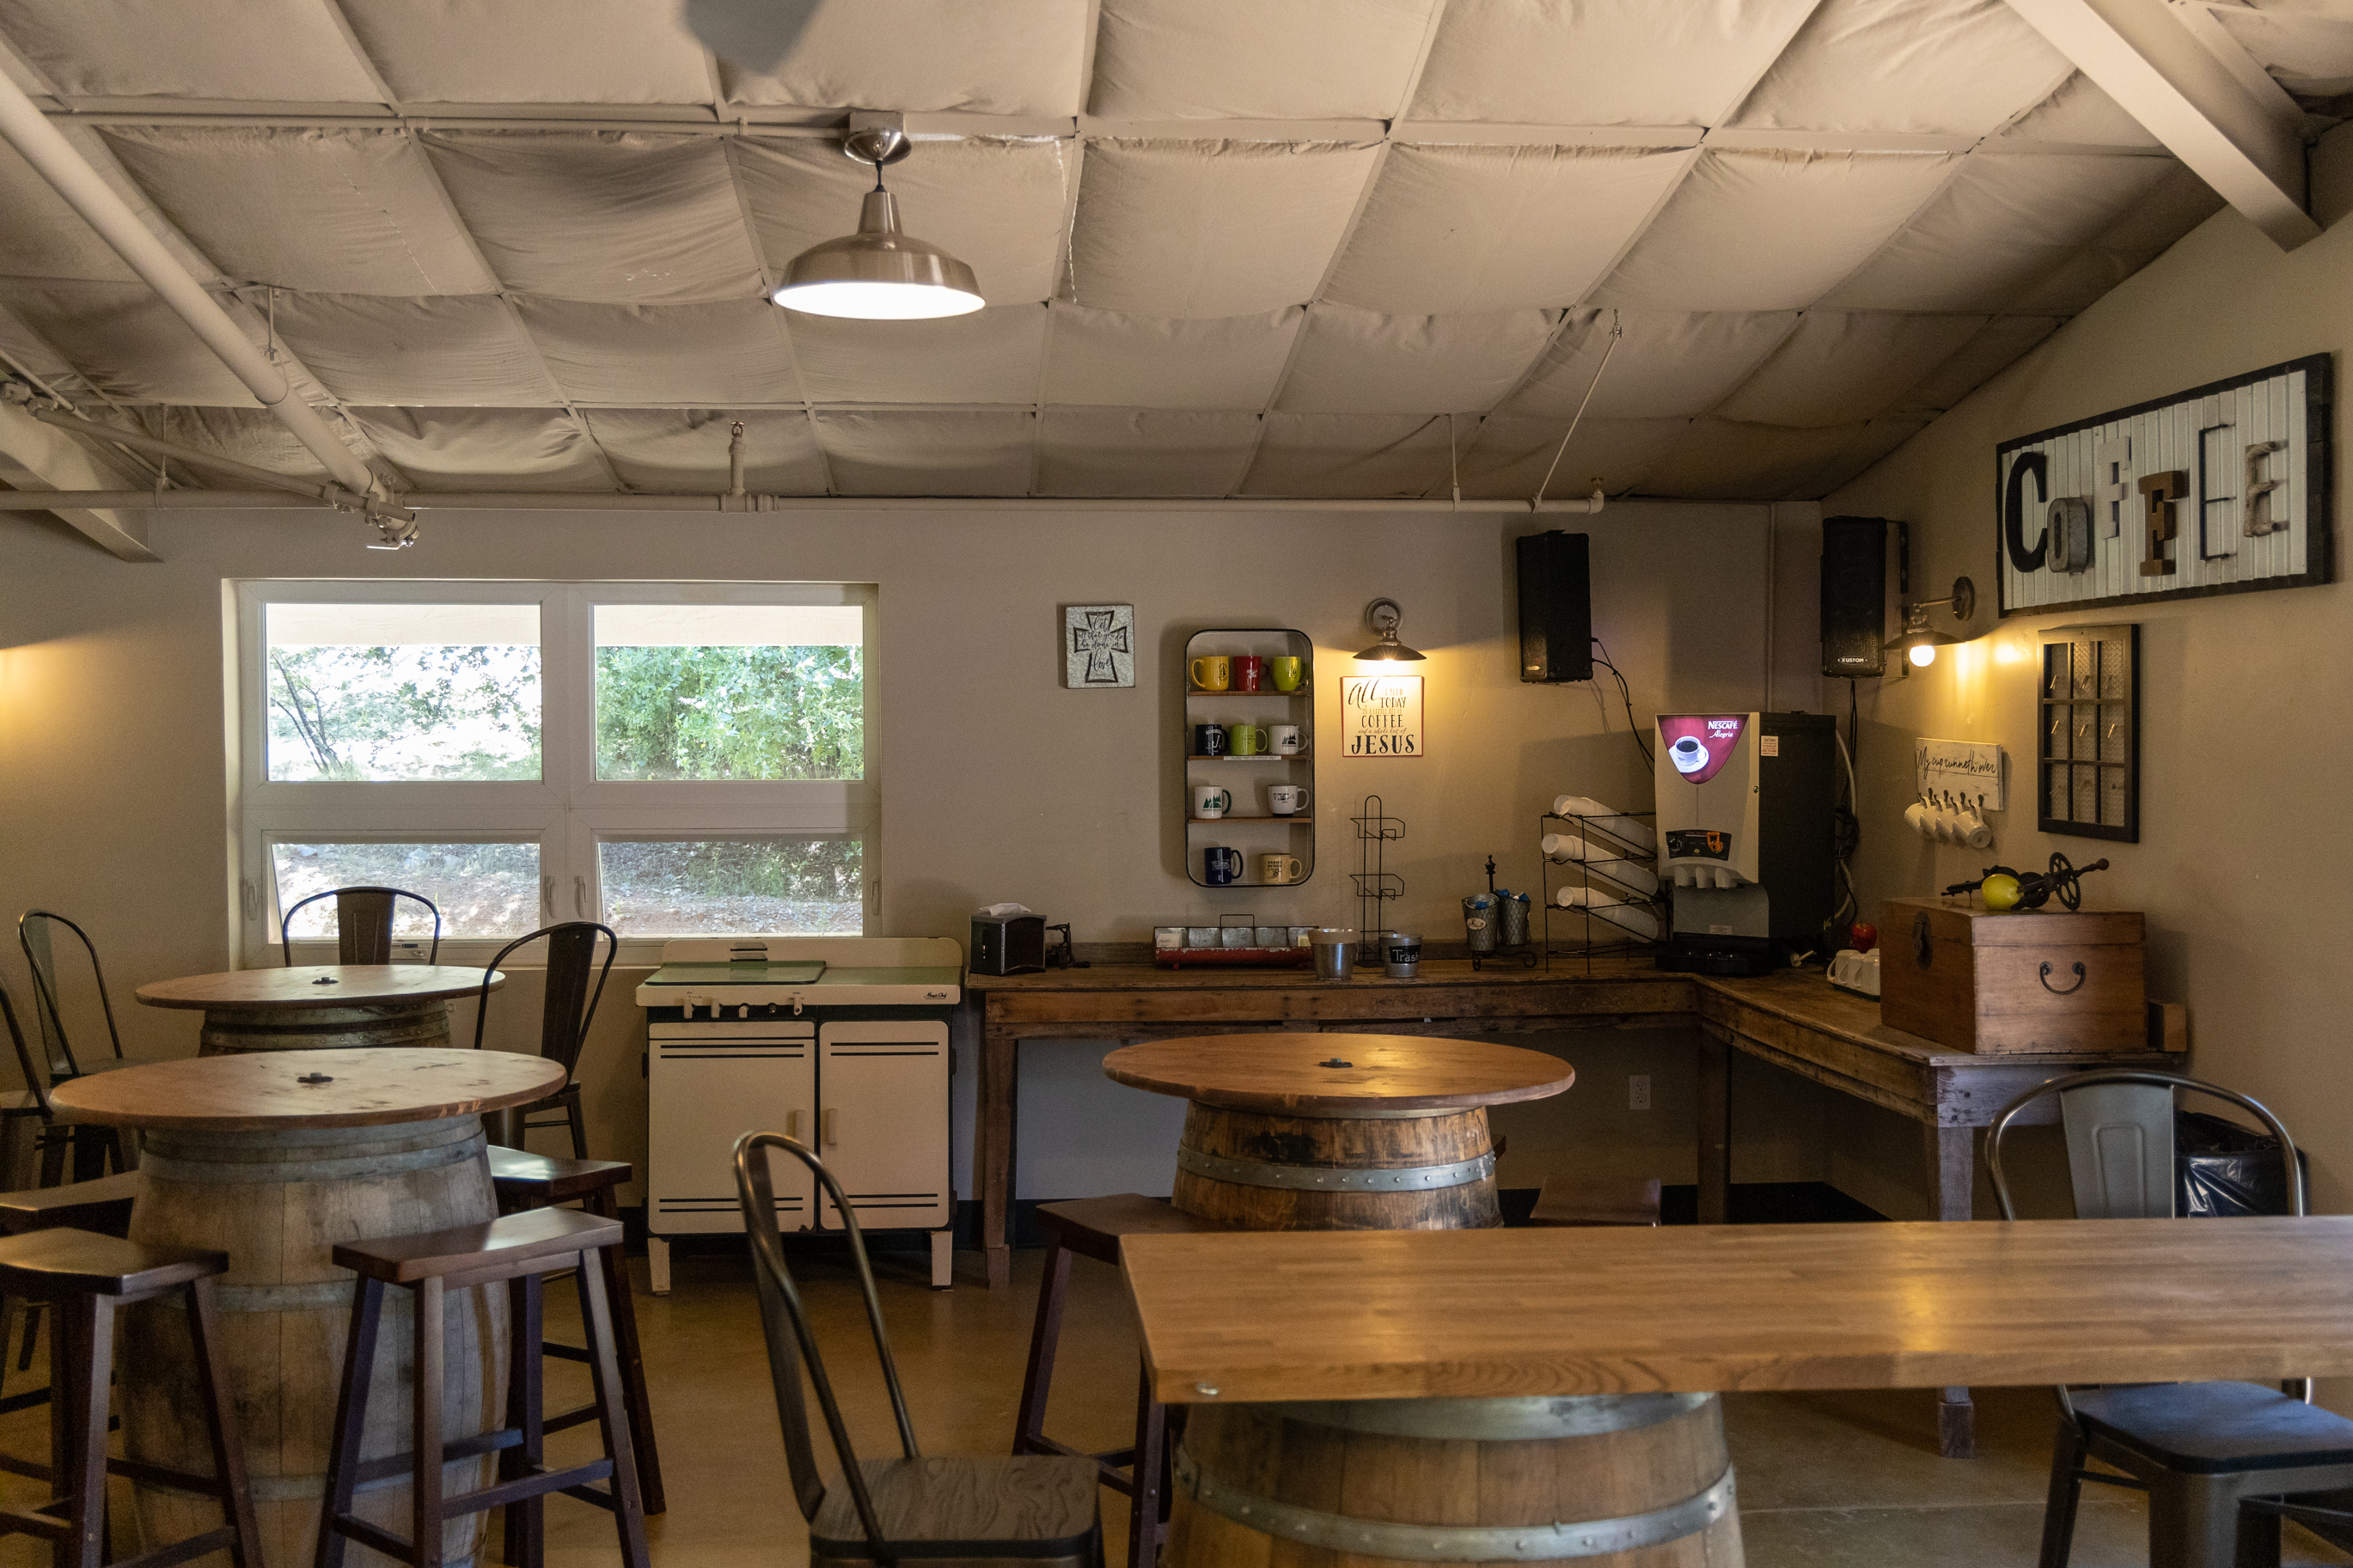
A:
[1746,837]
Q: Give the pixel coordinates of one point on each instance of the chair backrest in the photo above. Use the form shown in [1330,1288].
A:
[2120,1141]
[36,1080]
[784,1321]
[363,925]
[34,934]
[571,1006]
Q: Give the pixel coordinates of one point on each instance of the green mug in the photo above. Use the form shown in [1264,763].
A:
[1288,671]
[1244,739]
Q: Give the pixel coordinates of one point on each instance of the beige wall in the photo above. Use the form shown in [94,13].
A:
[996,782]
[2245,751]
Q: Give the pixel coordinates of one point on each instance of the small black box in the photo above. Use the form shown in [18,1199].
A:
[1010,945]
[1556,607]
[1854,596]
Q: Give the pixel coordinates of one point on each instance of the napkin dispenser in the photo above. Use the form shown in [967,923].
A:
[1006,939]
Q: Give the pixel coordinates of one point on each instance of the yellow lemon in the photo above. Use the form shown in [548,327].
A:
[2000,892]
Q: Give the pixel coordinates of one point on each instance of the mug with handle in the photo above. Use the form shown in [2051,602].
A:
[1221,867]
[1284,739]
[1288,671]
[1277,870]
[1208,740]
[1245,740]
[1210,802]
[1246,668]
[1213,673]
[1285,800]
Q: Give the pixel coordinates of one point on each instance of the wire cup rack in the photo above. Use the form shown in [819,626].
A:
[1376,830]
[1610,872]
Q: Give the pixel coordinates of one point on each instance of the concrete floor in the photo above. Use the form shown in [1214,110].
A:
[1825,1479]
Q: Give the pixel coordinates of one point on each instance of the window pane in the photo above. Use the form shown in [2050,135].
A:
[731,691]
[482,890]
[402,692]
[720,887]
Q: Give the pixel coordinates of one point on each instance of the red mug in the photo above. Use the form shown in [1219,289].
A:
[1247,670]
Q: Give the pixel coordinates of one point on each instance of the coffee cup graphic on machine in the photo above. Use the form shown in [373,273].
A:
[1700,744]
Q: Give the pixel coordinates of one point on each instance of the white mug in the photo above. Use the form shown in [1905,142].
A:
[1285,800]
[1210,802]
[1915,816]
[1284,739]
[1974,830]
[1275,870]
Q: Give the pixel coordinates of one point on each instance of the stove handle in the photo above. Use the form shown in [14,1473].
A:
[580,898]
[825,1129]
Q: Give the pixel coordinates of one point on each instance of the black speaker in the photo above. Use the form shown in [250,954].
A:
[1854,596]
[1556,607]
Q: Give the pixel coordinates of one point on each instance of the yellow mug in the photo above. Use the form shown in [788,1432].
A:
[1288,671]
[1275,870]
[1213,673]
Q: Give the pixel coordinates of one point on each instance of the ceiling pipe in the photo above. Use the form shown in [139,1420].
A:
[544,501]
[156,446]
[46,148]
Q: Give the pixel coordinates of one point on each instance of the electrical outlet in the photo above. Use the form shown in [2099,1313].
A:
[1637,1091]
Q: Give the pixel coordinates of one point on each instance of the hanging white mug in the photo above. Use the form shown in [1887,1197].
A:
[1916,817]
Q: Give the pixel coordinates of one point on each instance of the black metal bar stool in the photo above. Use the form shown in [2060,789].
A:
[1092,1228]
[84,1278]
[525,1181]
[522,1248]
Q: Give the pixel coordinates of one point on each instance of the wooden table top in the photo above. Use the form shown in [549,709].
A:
[262,1091]
[1485,1313]
[1387,1073]
[354,985]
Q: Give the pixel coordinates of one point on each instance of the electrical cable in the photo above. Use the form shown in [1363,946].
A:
[1625,695]
[1846,823]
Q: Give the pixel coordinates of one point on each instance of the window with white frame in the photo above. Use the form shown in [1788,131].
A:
[670,758]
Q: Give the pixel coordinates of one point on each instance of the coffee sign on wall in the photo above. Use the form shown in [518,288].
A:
[1380,715]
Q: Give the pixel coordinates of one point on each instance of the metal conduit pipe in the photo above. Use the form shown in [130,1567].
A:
[87,192]
[156,446]
[543,501]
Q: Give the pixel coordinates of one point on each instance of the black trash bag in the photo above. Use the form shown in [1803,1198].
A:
[2224,1171]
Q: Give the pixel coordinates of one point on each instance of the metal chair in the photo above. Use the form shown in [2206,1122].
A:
[92,1146]
[967,1509]
[363,925]
[33,934]
[564,1017]
[2198,1449]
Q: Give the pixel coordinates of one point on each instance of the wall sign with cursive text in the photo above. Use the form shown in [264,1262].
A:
[1380,716]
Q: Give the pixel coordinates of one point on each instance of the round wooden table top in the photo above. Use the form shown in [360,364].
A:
[318,985]
[1339,1075]
[265,1091]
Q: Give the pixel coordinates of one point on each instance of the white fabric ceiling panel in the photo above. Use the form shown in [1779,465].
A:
[125,340]
[286,50]
[2075,278]
[1950,68]
[1599,62]
[1007,57]
[2307,45]
[1874,441]
[602,214]
[459,350]
[2081,113]
[665,354]
[1210,228]
[1350,456]
[1244,59]
[927,453]
[1144,362]
[1497,228]
[1999,342]
[253,436]
[1512,455]
[43,237]
[1355,362]
[1670,364]
[1722,460]
[989,356]
[1842,366]
[669,451]
[370,219]
[28,349]
[996,205]
[1105,452]
[1770,230]
[531,51]
[2177,202]
[2003,224]
[486,448]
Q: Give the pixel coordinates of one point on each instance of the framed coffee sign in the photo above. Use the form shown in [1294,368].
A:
[2219,489]
[1380,716]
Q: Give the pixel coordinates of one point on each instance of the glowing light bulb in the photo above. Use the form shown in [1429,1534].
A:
[1924,654]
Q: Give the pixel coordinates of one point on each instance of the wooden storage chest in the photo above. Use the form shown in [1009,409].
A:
[2023,983]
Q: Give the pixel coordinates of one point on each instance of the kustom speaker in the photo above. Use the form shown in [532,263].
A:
[1854,596]
[1556,607]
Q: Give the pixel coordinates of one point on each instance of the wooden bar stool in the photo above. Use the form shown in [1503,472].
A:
[525,1248]
[1092,1228]
[525,1181]
[103,1205]
[84,1278]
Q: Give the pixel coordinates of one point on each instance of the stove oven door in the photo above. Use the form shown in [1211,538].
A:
[882,1088]
[710,1082]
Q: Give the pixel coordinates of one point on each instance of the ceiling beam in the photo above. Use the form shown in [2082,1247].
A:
[34,457]
[2245,142]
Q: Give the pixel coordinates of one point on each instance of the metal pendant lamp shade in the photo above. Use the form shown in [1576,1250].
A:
[1384,616]
[879,273]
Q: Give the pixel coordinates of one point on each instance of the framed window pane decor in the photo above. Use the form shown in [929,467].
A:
[2089,756]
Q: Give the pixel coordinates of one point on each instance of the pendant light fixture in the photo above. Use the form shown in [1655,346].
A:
[1920,644]
[1384,616]
[878,274]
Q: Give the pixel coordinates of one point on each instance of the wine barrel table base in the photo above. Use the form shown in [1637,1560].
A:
[328,1007]
[229,1031]
[1257,1171]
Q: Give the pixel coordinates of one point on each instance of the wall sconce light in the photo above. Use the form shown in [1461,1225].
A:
[1919,643]
[1384,616]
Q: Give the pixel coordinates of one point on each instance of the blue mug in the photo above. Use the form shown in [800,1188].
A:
[1208,740]
[1221,867]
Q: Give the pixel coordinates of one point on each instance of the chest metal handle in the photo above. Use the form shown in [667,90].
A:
[2063,991]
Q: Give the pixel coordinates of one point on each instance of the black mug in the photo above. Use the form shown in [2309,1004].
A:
[1208,740]
[1221,867]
